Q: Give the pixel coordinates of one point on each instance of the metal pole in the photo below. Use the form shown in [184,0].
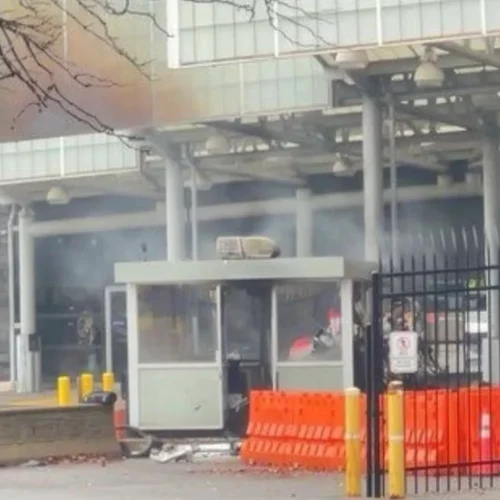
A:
[304,223]
[491,184]
[27,350]
[194,254]
[12,296]
[194,215]
[372,177]
[394,183]
[175,217]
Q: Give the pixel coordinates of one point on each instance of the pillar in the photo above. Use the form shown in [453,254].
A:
[28,345]
[491,184]
[175,215]
[194,215]
[373,192]
[304,224]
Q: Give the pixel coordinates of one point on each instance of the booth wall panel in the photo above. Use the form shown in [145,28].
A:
[310,378]
[179,398]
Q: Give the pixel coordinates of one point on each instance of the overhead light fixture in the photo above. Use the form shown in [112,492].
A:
[201,183]
[473,178]
[5,199]
[352,59]
[217,144]
[428,74]
[444,180]
[343,167]
[57,195]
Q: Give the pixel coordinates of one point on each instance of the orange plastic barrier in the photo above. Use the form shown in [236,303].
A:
[432,434]
[295,429]
[480,410]
[446,431]
[120,420]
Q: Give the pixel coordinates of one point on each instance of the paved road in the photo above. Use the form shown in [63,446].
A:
[131,480]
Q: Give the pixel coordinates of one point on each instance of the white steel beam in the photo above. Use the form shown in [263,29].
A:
[284,206]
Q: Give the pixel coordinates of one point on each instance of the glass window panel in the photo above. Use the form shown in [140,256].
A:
[309,322]
[177,324]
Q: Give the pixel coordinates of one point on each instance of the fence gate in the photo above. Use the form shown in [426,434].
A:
[452,401]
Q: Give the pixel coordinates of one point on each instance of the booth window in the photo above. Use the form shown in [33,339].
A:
[309,322]
[177,324]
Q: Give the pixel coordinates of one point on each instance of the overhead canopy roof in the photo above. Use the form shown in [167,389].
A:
[283,137]
[296,269]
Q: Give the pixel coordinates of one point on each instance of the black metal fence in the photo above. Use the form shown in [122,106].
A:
[452,400]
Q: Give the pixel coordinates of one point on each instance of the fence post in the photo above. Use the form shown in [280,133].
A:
[395,428]
[352,442]
[374,374]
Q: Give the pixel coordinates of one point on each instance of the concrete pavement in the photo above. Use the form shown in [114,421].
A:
[133,479]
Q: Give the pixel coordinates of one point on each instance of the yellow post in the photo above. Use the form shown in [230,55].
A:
[63,391]
[108,381]
[86,385]
[353,469]
[396,432]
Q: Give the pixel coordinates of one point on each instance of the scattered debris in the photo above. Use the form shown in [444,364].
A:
[193,452]
[70,459]
[33,463]
[173,453]
[140,443]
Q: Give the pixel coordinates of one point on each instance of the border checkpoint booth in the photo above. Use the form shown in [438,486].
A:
[185,318]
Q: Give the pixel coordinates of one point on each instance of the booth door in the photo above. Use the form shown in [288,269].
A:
[301,312]
[180,371]
[115,321]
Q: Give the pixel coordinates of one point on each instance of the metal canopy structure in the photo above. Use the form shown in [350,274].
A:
[435,127]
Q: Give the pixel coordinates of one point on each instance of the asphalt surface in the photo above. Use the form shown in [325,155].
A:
[134,479]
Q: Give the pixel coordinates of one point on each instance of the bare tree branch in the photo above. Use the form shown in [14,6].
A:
[34,45]
[33,52]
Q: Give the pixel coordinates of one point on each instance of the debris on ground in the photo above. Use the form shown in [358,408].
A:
[69,459]
[141,444]
[173,453]
[188,452]
[33,463]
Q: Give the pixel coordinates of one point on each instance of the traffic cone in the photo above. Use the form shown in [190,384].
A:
[486,455]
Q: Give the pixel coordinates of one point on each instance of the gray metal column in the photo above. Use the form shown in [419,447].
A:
[304,233]
[195,324]
[373,192]
[28,354]
[194,215]
[12,293]
[491,184]
[175,213]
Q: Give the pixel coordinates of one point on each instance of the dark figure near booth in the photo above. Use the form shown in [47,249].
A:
[237,400]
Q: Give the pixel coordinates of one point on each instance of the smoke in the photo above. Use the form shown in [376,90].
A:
[82,265]
[86,261]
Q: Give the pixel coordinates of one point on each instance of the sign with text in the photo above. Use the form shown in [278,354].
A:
[403,352]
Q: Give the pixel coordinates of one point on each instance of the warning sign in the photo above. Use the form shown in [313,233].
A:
[403,352]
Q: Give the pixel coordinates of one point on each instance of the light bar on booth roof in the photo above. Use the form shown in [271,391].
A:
[246,247]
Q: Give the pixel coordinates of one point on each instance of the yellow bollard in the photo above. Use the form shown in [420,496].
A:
[396,432]
[63,391]
[108,381]
[86,385]
[353,469]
